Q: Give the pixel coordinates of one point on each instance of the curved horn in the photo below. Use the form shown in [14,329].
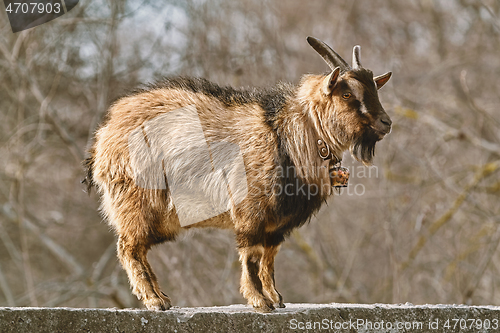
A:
[330,56]
[355,57]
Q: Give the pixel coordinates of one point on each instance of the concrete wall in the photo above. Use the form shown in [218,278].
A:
[239,318]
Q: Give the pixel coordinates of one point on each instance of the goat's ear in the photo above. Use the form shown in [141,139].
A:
[381,80]
[331,81]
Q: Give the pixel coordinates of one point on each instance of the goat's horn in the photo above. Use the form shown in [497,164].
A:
[355,57]
[330,56]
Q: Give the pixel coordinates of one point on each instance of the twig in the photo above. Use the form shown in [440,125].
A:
[469,291]
[56,249]
[446,217]
[98,269]
[54,121]
[471,101]
[307,249]
[453,132]
[11,248]
[6,289]
[106,72]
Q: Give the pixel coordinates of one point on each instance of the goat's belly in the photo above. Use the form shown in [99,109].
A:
[222,221]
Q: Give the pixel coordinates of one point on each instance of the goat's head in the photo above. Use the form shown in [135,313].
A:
[347,103]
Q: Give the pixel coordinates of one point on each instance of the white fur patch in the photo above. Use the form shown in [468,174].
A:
[358,91]
[205,179]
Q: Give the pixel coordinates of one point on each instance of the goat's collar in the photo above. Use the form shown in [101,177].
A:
[325,153]
[331,171]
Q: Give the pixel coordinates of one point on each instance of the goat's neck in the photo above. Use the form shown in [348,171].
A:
[298,136]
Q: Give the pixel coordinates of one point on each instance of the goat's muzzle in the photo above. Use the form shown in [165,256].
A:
[382,126]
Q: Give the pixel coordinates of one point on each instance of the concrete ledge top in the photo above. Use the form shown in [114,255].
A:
[332,317]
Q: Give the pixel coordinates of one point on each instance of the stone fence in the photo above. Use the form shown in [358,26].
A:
[239,318]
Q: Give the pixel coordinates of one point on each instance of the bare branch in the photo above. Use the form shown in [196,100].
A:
[483,172]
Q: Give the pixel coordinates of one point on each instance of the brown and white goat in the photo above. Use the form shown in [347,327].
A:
[187,153]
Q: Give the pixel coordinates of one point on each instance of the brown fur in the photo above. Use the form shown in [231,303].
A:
[276,131]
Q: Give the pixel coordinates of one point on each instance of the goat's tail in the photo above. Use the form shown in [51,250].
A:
[88,165]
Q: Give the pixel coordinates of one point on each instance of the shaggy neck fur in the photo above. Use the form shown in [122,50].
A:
[299,126]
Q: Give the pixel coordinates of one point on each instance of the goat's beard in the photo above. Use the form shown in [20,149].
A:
[363,148]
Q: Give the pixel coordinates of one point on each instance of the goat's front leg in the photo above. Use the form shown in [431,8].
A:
[266,275]
[251,285]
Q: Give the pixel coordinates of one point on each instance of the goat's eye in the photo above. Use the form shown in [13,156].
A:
[346,95]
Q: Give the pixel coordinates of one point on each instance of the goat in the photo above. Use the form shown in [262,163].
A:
[187,153]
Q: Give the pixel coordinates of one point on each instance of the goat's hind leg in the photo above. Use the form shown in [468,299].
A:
[157,288]
[133,257]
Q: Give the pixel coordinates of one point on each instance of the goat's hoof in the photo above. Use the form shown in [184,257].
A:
[278,300]
[264,306]
[157,304]
[165,297]
[280,303]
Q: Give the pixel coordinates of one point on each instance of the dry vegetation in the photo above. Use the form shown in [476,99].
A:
[425,230]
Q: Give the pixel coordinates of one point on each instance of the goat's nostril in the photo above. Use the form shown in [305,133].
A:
[386,121]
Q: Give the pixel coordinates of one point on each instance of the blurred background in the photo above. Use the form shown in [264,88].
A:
[422,227]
